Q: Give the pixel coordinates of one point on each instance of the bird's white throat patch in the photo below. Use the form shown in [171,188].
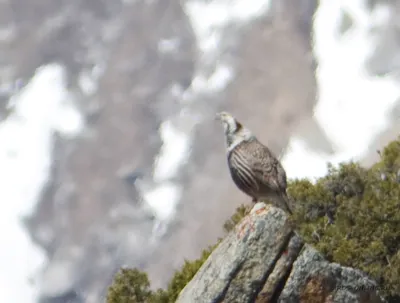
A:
[235,132]
[234,139]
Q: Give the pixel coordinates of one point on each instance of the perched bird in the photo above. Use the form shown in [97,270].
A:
[253,167]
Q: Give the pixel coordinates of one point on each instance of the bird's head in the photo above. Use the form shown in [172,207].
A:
[230,124]
[235,132]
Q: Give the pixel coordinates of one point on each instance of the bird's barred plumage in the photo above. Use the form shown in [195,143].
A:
[241,173]
[253,167]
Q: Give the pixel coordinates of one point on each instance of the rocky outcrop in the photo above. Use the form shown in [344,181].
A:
[264,260]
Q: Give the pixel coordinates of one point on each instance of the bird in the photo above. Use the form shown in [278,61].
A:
[253,167]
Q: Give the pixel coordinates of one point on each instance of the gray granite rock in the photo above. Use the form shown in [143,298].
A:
[263,260]
[313,279]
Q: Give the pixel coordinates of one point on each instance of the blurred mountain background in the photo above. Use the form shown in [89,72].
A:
[143,80]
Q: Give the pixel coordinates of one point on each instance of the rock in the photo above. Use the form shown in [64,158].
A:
[264,260]
[313,279]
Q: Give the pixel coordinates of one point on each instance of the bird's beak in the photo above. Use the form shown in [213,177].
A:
[218,117]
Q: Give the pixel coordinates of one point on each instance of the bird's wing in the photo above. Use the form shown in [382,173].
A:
[267,168]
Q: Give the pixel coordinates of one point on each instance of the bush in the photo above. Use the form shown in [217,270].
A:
[129,286]
[133,286]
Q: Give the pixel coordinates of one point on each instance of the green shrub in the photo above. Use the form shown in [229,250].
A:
[129,286]
[133,286]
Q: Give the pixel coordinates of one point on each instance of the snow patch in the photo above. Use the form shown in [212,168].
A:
[168,45]
[88,80]
[353,106]
[214,83]
[87,84]
[26,139]
[173,154]
[164,194]
[210,17]
[160,198]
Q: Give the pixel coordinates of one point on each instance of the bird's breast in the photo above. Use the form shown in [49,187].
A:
[242,173]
